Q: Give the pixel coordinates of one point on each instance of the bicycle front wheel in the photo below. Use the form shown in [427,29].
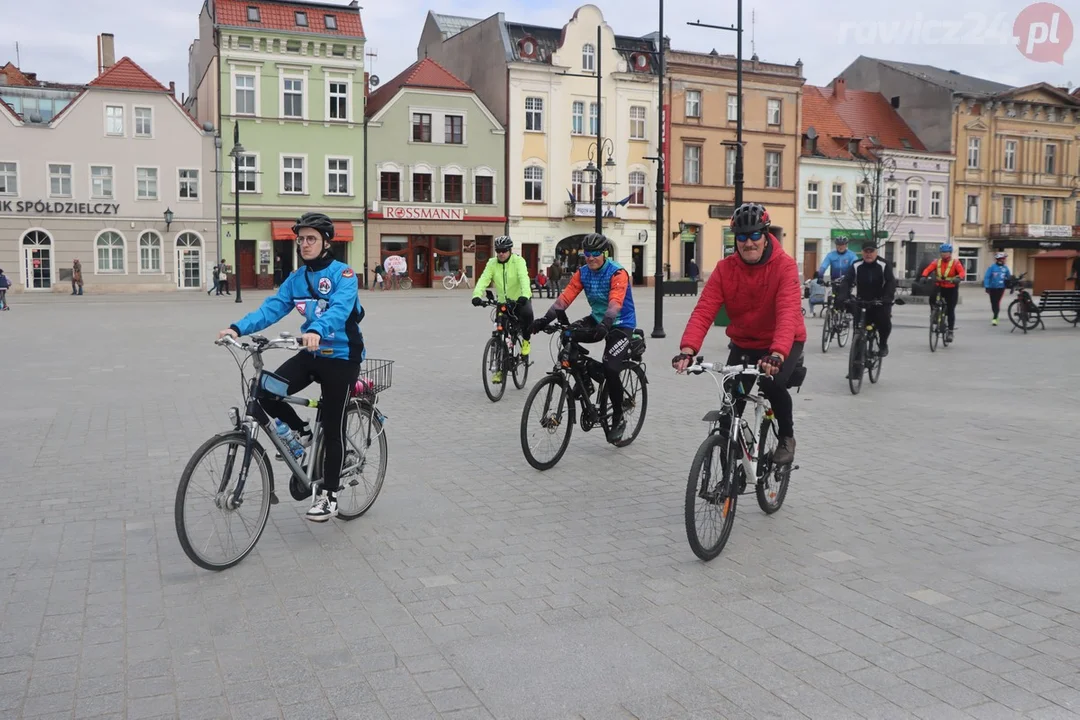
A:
[874,359]
[856,363]
[206,502]
[844,331]
[521,365]
[406,283]
[933,333]
[363,464]
[710,498]
[547,420]
[826,332]
[492,370]
[448,282]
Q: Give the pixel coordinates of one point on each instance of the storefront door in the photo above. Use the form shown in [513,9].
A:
[37,260]
[420,261]
[188,262]
[247,264]
[637,258]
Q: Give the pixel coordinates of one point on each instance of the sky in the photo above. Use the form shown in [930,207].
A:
[56,37]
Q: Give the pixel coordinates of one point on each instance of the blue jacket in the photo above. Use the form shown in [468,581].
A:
[324,292]
[614,303]
[838,264]
[995,276]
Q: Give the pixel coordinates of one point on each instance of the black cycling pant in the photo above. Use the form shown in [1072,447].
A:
[774,389]
[616,352]
[995,299]
[336,378]
[525,319]
[880,316]
[951,296]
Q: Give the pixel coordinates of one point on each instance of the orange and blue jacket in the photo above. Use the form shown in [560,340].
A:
[947,276]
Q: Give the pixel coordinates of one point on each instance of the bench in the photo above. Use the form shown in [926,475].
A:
[1066,302]
[680,287]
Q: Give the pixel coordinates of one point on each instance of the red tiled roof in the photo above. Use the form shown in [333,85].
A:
[424,73]
[275,15]
[832,132]
[15,76]
[127,75]
[869,113]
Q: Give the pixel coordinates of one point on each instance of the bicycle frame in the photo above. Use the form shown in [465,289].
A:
[746,435]
[575,363]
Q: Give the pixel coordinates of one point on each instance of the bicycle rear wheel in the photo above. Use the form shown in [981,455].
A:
[493,363]
[554,417]
[363,466]
[520,364]
[406,283]
[712,481]
[856,363]
[772,484]
[844,332]
[212,474]
[873,355]
[448,282]
[635,403]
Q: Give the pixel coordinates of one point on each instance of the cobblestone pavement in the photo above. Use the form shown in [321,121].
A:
[924,564]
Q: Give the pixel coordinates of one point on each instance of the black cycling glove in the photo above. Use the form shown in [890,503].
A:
[477,302]
[539,324]
[522,300]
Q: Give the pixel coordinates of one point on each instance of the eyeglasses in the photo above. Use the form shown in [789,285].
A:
[755,236]
[502,252]
[593,253]
[307,240]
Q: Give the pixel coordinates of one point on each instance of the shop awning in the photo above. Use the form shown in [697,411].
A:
[282,230]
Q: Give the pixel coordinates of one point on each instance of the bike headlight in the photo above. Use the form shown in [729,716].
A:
[234,416]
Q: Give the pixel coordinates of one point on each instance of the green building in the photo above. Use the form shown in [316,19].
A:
[290,77]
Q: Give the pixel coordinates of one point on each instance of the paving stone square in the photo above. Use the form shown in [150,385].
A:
[924,565]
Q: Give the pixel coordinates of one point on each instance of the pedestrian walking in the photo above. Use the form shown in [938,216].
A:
[76,278]
[995,279]
[4,285]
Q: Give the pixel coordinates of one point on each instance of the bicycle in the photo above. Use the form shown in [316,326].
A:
[836,324]
[502,353]
[459,278]
[572,381]
[1023,312]
[939,323]
[725,459]
[865,353]
[230,487]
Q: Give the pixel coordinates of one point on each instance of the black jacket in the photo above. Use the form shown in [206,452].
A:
[871,280]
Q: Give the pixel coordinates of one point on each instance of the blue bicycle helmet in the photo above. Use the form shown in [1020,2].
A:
[945,247]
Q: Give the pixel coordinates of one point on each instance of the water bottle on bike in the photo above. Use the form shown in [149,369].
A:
[287,434]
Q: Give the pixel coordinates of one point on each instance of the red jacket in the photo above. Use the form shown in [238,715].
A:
[763,301]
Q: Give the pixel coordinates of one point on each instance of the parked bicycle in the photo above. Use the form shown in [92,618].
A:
[939,323]
[1024,312]
[572,381]
[727,458]
[458,278]
[837,324]
[229,458]
[865,354]
[502,354]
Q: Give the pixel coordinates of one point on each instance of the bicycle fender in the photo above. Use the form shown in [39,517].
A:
[256,449]
[713,416]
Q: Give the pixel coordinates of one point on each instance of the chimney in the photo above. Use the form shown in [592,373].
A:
[106,54]
[839,84]
[172,88]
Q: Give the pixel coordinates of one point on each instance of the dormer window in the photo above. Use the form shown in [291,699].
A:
[640,62]
[907,144]
[301,19]
[253,14]
[853,147]
[527,46]
[331,22]
[588,58]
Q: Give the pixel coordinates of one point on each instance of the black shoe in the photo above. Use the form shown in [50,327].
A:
[617,431]
[884,351]
[785,452]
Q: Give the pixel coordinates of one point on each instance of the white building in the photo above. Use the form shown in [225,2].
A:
[120,178]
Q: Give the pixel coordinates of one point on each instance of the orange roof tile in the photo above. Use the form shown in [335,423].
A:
[424,73]
[870,114]
[832,132]
[127,75]
[275,15]
[15,76]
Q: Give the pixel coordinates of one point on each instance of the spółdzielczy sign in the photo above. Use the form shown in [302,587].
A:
[40,207]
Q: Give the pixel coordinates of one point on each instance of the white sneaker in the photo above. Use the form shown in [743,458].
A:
[323,507]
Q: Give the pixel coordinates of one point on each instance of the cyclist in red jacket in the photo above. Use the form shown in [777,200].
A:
[759,286]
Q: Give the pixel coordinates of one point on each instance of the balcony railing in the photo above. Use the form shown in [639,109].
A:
[1012,230]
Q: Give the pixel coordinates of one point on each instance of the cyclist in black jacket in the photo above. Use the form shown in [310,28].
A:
[872,279]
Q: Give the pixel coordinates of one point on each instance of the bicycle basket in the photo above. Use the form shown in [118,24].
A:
[374,378]
[272,384]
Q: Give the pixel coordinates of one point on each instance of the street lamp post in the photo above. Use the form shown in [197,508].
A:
[598,176]
[168,218]
[235,154]
[661,139]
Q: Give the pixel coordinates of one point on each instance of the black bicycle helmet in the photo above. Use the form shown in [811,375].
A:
[749,218]
[595,242]
[316,221]
[504,243]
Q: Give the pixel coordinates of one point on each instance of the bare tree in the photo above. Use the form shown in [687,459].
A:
[873,219]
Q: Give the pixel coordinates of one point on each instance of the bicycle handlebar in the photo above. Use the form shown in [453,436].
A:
[286,341]
[721,369]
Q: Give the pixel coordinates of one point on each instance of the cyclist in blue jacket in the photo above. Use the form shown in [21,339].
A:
[995,279]
[838,261]
[324,292]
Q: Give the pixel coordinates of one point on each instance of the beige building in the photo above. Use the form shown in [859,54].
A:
[120,178]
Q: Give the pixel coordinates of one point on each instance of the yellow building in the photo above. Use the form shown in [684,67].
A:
[701,92]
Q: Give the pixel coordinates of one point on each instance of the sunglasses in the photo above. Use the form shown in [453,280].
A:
[755,236]
[593,253]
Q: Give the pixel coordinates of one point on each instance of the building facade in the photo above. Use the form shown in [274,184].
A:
[120,178]
[568,103]
[291,76]
[435,164]
[701,94]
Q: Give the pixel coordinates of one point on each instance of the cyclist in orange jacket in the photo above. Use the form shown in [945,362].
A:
[948,273]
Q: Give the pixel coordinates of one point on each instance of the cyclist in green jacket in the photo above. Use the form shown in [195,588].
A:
[510,275]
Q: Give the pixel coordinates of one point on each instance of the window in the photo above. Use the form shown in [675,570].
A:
[331,22]
[733,108]
[577,118]
[772,111]
[637,122]
[144,126]
[421,127]
[114,120]
[245,43]
[292,174]
[972,216]
[860,197]
[913,202]
[244,86]
[447,252]
[1010,155]
[693,103]
[246,166]
[253,14]
[101,182]
[338,51]
[337,176]
[390,186]
[935,204]
[588,58]
[453,189]
[292,46]
[292,99]
[1050,159]
[455,130]
[110,252]
[1048,211]
[339,100]
[59,180]
[729,165]
[811,196]
[146,181]
[484,190]
[301,19]
[578,185]
[421,187]
[594,118]
[149,252]
[637,188]
[9,179]
[973,152]
[836,201]
[692,164]
[1008,209]
[189,184]
[534,114]
[534,184]
[969,258]
[772,169]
